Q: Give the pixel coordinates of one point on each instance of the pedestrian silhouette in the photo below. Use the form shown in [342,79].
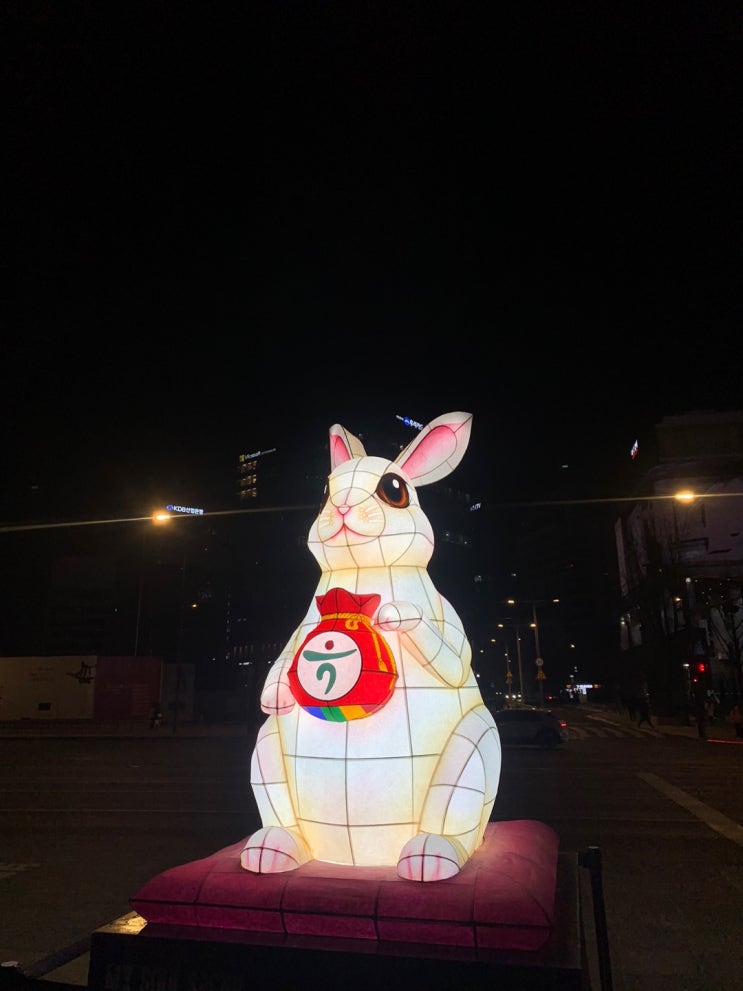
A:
[700,715]
[736,718]
[643,711]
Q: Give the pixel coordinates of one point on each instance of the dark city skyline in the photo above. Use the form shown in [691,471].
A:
[230,232]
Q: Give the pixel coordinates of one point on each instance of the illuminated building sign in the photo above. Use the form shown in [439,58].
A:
[185,509]
[255,454]
[408,422]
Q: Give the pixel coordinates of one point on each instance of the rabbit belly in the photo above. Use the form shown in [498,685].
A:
[356,811]
[357,789]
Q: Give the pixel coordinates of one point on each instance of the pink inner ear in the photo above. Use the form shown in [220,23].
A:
[435,448]
[338,451]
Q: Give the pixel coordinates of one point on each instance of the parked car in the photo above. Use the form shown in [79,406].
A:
[531,726]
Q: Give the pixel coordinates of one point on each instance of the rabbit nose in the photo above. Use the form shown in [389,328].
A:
[343,509]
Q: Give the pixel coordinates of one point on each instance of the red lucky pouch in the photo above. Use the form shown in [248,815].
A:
[344,669]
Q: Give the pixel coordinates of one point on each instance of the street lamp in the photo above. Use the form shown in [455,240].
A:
[156,518]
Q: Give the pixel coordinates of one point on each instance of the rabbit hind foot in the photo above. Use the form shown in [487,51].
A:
[272,850]
[427,857]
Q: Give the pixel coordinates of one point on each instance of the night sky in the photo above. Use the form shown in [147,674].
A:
[230,228]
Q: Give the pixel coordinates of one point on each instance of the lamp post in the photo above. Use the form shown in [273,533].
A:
[156,518]
[517,627]
[694,637]
[183,683]
[518,655]
[509,675]
[179,654]
[535,625]
[539,661]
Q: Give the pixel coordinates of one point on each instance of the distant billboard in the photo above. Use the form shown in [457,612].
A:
[47,687]
[255,454]
[79,687]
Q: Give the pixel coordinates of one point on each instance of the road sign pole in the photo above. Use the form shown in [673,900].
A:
[540,679]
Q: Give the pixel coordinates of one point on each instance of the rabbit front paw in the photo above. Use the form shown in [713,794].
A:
[399,616]
[277,699]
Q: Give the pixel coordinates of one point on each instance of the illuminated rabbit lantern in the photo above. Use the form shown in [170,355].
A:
[378,749]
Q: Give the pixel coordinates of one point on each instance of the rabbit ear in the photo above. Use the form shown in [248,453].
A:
[343,446]
[438,448]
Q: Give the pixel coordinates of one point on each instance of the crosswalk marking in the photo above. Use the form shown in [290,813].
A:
[8,870]
[714,819]
[606,732]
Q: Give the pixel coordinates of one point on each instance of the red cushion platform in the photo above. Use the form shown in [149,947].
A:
[503,899]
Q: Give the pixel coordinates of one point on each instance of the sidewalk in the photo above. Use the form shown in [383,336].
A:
[51,728]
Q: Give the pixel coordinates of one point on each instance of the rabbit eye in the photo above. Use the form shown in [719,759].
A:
[393,490]
[325,494]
